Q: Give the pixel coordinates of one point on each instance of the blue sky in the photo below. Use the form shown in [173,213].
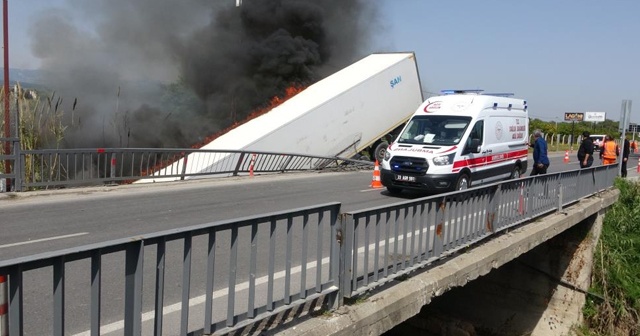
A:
[561,56]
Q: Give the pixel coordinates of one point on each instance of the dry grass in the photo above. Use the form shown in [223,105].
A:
[40,123]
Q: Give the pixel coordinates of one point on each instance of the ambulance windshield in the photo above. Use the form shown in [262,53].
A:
[435,130]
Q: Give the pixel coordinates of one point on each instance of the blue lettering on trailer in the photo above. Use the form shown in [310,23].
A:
[395,81]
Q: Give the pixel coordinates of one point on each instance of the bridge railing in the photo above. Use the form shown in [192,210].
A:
[12,160]
[240,287]
[384,243]
[53,168]
[253,268]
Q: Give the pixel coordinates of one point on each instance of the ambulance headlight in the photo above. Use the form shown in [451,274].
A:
[387,155]
[444,160]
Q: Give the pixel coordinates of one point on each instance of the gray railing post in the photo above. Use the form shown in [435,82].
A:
[184,166]
[346,272]
[16,318]
[336,267]
[438,236]
[238,164]
[492,209]
[133,288]
[285,164]
[18,167]
[112,174]
[560,193]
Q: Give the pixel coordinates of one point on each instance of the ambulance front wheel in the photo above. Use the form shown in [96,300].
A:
[463,182]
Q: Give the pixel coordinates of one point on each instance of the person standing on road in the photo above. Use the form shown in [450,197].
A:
[609,152]
[540,157]
[585,152]
[626,149]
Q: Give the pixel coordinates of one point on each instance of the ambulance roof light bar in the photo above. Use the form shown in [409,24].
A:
[499,94]
[448,92]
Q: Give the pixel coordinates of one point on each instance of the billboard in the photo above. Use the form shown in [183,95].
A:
[594,116]
[573,116]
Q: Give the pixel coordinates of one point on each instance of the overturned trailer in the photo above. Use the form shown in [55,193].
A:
[359,109]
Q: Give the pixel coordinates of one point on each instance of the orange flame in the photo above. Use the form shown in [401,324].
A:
[273,103]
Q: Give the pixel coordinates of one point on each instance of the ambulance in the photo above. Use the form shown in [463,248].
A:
[458,140]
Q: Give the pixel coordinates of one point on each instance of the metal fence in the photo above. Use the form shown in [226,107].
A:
[11,161]
[260,265]
[54,168]
[381,244]
[226,275]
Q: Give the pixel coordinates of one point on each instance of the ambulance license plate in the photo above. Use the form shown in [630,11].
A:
[405,178]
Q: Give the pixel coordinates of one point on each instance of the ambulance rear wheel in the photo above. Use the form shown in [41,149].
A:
[516,173]
[394,190]
[463,182]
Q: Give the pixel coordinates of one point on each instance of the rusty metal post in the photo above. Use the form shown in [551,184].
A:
[7,118]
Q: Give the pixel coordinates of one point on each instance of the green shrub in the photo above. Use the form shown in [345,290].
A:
[616,271]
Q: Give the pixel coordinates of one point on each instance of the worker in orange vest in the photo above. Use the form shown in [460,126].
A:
[609,152]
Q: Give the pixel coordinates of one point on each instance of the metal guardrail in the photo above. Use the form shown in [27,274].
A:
[12,160]
[265,237]
[292,257]
[82,167]
[381,244]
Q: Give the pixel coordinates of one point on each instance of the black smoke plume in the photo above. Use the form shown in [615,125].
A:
[166,73]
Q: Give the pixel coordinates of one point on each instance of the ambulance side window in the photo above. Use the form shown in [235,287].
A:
[477,132]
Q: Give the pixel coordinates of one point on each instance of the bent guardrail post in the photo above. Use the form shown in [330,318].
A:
[286,163]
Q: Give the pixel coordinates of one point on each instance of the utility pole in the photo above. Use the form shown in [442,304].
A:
[7,118]
[625,114]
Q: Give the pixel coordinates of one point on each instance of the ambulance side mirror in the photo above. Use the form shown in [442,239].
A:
[474,146]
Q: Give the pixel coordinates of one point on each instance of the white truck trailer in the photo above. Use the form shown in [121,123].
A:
[359,108]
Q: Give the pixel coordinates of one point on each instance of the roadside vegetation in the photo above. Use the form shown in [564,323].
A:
[616,270]
[40,121]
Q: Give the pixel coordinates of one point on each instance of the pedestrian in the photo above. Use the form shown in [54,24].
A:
[540,157]
[626,149]
[609,152]
[585,152]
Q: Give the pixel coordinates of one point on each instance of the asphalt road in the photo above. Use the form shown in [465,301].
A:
[36,222]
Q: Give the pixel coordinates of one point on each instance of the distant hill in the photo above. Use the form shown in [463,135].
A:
[23,76]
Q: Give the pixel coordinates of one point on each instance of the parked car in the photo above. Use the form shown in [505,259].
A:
[598,140]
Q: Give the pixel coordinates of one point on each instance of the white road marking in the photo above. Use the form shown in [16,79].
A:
[44,239]
[373,189]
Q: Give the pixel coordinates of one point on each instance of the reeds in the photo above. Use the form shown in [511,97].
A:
[40,125]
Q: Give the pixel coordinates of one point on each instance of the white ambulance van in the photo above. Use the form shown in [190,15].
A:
[460,139]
